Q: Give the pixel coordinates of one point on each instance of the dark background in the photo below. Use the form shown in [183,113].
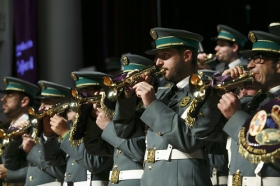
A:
[114,27]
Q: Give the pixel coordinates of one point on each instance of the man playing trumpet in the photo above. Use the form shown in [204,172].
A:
[82,168]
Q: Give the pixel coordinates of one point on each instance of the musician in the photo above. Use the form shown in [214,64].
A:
[176,137]
[82,168]
[229,43]
[18,96]
[129,149]
[246,167]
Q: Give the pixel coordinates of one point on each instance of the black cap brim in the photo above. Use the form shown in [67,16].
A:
[247,53]
[47,97]
[151,52]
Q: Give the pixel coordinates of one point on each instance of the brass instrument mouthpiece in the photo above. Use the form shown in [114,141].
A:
[208,59]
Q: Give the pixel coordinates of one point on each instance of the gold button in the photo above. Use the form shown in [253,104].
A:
[159,133]
[72,163]
[69,176]
[150,167]
[116,166]
[30,178]
[40,151]
[201,114]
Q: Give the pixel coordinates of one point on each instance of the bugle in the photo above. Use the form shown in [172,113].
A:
[114,88]
[200,83]
[208,59]
[6,137]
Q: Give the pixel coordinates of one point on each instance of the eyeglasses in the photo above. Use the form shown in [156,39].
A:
[259,59]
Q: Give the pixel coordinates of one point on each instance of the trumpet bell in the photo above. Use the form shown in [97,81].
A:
[74,93]
[31,111]
[107,81]
[197,87]
[2,133]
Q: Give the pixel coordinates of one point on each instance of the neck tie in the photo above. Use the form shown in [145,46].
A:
[166,98]
[172,91]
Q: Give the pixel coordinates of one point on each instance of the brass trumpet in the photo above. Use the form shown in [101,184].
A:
[208,59]
[7,136]
[114,88]
[200,83]
[247,77]
[73,104]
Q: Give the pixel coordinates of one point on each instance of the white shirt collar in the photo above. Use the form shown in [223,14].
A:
[23,117]
[183,83]
[274,89]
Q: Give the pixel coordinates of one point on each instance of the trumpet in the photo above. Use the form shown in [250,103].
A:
[200,83]
[58,108]
[7,136]
[208,59]
[233,83]
[114,88]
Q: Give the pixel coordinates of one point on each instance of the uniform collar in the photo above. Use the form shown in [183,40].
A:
[239,61]
[23,117]
[183,83]
[274,89]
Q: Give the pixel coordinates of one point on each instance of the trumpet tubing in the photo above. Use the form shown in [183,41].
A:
[208,59]
[6,138]
[113,89]
[235,82]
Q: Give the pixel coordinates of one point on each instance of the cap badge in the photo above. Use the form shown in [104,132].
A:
[218,29]
[125,61]
[74,77]
[5,81]
[252,37]
[42,85]
[153,34]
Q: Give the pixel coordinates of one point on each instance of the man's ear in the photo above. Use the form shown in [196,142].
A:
[25,101]
[187,55]
[235,47]
[278,67]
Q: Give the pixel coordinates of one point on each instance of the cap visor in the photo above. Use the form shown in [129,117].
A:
[151,52]
[246,53]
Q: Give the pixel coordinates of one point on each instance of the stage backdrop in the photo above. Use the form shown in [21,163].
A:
[25,62]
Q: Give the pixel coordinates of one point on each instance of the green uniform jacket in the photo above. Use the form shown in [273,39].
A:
[163,116]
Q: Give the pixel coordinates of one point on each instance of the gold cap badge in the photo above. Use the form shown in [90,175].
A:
[74,77]
[125,61]
[252,37]
[42,85]
[153,34]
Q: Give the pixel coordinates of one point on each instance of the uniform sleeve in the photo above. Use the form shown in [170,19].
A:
[53,154]
[93,163]
[13,156]
[17,176]
[235,123]
[132,147]
[37,157]
[93,141]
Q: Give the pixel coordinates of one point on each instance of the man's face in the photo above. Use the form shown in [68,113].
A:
[89,91]
[173,63]
[11,103]
[225,52]
[266,71]
[47,103]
